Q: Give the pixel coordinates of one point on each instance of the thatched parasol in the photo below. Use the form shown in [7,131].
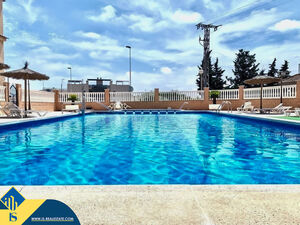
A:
[262,80]
[26,75]
[4,66]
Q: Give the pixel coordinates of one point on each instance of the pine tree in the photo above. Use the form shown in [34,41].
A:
[262,72]
[199,79]
[284,71]
[245,68]
[272,69]
[216,81]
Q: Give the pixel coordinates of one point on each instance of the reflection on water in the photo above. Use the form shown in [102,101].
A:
[151,149]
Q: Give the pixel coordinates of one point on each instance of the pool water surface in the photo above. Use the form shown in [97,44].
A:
[113,149]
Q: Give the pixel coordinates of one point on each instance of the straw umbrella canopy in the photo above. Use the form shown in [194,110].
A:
[4,66]
[26,75]
[261,80]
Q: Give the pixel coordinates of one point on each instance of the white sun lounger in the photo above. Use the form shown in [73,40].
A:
[247,106]
[297,111]
[289,112]
[11,110]
[280,109]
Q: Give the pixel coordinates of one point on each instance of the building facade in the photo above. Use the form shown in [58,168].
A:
[98,85]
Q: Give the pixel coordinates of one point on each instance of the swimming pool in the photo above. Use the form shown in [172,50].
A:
[200,148]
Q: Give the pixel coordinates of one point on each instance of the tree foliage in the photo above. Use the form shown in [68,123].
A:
[272,69]
[215,75]
[284,70]
[216,81]
[245,68]
[262,72]
[200,81]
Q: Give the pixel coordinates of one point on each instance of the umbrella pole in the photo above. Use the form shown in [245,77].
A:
[261,96]
[29,102]
[281,94]
[25,98]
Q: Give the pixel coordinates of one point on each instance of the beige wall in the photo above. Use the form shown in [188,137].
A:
[40,106]
[198,105]
[192,105]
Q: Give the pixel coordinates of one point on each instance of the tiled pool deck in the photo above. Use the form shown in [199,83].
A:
[208,205]
[174,204]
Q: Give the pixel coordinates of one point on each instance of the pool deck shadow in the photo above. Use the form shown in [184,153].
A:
[175,204]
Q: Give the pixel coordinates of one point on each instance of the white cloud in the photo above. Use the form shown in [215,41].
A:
[26,39]
[108,12]
[99,47]
[283,51]
[285,25]
[257,20]
[105,48]
[153,6]
[162,17]
[213,5]
[185,80]
[182,16]
[32,13]
[145,24]
[90,35]
[46,53]
[166,70]
[138,22]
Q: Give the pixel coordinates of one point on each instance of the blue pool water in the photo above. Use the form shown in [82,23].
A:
[150,149]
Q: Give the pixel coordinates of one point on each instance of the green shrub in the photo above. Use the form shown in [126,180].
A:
[214,94]
[73,98]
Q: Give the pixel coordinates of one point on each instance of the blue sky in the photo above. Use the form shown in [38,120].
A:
[90,36]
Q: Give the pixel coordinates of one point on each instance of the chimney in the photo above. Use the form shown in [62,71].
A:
[298,68]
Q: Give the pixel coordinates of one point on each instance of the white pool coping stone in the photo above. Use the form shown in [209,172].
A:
[268,117]
[48,116]
[175,204]
[58,114]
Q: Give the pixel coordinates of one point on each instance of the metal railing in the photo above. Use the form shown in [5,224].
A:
[288,91]
[230,94]
[2,93]
[181,95]
[131,96]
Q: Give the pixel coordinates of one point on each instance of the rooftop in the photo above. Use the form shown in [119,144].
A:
[292,79]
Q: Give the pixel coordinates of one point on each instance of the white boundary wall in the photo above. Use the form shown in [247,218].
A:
[288,91]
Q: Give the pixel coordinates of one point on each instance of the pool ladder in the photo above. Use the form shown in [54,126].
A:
[183,104]
[225,103]
[103,105]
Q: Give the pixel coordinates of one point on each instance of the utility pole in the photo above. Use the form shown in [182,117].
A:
[70,68]
[205,42]
[129,47]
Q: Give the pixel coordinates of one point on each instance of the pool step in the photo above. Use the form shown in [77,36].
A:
[149,112]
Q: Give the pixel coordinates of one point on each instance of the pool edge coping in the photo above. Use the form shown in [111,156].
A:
[40,119]
[269,119]
[248,116]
